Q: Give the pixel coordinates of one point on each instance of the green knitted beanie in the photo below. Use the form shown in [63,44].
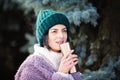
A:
[47,19]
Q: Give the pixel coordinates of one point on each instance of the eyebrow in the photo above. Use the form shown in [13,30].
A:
[57,29]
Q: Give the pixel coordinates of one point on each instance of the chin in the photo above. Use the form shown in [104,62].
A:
[58,49]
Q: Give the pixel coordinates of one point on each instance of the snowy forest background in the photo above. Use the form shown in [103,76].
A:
[95,35]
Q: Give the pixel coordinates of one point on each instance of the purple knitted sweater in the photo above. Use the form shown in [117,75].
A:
[35,67]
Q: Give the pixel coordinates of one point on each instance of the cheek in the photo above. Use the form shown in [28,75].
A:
[50,39]
[66,37]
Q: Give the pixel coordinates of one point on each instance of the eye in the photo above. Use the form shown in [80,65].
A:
[53,31]
[64,30]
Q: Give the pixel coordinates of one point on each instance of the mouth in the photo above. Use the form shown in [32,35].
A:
[60,42]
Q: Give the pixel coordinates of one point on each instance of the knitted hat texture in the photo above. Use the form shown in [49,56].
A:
[47,19]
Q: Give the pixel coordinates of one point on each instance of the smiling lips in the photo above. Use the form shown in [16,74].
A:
[59,42]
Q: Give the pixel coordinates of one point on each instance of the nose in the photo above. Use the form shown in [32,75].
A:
[60,34]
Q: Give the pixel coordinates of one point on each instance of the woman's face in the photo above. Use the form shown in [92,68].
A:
[57,35]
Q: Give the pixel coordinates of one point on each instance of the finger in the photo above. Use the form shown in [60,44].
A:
[73,64]
[71,56]
[70,60]
[74,56]
[73,60]
[71,51]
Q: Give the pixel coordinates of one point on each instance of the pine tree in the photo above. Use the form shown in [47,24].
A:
[94,33]
[97,47]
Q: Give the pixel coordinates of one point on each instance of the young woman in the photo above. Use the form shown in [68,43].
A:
[47,61]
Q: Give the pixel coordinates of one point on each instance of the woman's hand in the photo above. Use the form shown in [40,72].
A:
[67,62]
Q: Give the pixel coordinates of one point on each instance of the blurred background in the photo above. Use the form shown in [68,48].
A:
[95,35]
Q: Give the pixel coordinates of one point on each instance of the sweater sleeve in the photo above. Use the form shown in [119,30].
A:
[30,73]
[77,76]
[36,68]
[60,76]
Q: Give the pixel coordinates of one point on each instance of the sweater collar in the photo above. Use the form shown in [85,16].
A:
[53,57]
